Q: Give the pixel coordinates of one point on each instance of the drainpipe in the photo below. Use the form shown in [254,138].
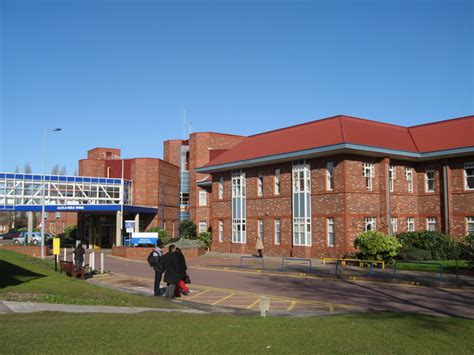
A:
[446,199]
[387,195]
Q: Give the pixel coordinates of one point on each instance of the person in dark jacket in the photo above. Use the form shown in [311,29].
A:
[79,256]
[157,261]
[170,264]
[182,268]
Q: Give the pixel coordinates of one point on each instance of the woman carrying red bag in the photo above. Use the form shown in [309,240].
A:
[182,268]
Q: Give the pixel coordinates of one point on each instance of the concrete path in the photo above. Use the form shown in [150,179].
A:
[31,307]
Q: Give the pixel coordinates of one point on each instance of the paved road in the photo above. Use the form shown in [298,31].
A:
[377,296]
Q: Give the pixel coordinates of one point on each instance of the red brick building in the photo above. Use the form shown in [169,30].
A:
[155,183]
[198,150]
[309,190]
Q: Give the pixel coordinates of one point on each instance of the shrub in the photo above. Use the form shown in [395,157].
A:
[377,246]
[162,234]
[416,255]
[439,245]
[185,243]
[467,250]
[206,237]
[187,229]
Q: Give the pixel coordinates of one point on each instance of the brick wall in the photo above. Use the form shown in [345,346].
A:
[31,250]
[348,204]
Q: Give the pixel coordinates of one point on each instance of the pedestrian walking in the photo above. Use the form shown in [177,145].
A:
[79,256]
[182,268]
[155,260]
[170,264]
[259,247]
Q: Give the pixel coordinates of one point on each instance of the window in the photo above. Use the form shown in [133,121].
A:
[277,182]
[277,231]
[391,177]
[329,176]
[202,226]
[431,224]
[260,184]
[260,229]
[393,225]
[46,215]
[301,175]
[429,179]
[330,226]
[469,225]
[369,224]
[409,178]
[57,215]
[410,224]
[238,207]
[469,176]
[202,198]
[369,173]
[221,231]
[221,188]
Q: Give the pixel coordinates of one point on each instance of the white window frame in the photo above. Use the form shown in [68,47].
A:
[260,226]
[276,182]
[370,221]
[330,232]
[368,171]
[393,225]
[301,194]
[277,231]
[409,178]
[469,165]
[329,176]
[469,225]
[392,174]
[431,221]
[221,231]
[410,224]
[221,188]
[429,170]
[260,184]
[202,227]
[239,210]
[202,198]
[57,215]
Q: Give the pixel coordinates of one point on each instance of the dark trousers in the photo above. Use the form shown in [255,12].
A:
[157,282]
[79,263]
[260,253]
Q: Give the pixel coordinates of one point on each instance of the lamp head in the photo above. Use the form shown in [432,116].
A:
[57,129]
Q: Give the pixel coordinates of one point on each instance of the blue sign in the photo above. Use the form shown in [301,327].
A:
[144,239]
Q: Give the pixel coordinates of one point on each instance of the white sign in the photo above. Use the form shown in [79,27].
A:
[130,226]
[143,238]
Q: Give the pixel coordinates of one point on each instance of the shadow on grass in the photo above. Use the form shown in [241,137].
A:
[12,275]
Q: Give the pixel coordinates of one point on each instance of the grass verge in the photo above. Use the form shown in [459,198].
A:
[449,266]
[23,278]
[377,333]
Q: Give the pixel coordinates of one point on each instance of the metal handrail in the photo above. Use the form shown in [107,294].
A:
[294,259]
[441,267]
[251,257]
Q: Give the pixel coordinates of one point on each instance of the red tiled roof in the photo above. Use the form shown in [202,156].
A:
[441,135]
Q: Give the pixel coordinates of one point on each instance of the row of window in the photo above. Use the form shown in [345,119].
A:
[369,225]
[368,172]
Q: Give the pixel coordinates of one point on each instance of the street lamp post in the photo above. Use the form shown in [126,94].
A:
[43,186]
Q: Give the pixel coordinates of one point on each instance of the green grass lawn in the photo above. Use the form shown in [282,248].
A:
[374,333]
[23,278]
[449,266]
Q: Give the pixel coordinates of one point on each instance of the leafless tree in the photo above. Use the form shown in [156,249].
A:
[63,170]
[55,169]
[27,168]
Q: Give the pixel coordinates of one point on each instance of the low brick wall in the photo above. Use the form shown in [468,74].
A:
[31,250]
[141,253]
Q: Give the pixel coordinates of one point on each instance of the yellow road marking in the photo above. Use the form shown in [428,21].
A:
[223,299]
[250,306]
[290,307]
[199,294]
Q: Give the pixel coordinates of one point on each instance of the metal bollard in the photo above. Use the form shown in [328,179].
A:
[264,306]
[92,262]
[101,263]
[65,254]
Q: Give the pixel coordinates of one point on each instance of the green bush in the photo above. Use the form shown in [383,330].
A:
[206,237]
[439,245]
[187,229]
[377,246]
[162,234]
[467,250]
[416,255]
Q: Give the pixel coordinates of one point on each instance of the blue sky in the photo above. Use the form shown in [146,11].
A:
[119,73]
